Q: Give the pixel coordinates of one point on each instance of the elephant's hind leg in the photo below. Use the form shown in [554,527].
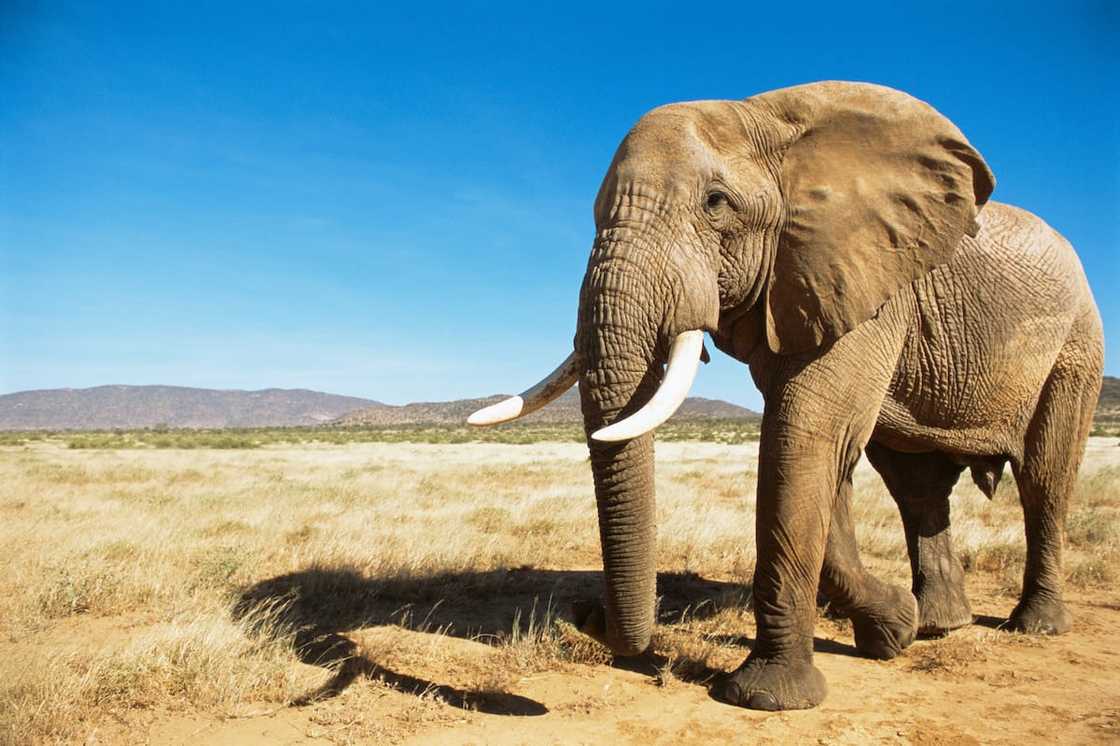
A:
[884,617]
[921,484]
[1055,444]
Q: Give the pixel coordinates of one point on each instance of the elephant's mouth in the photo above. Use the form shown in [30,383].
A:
[685,355]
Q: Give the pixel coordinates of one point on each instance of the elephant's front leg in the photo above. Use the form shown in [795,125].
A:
[819,414]
[793,513]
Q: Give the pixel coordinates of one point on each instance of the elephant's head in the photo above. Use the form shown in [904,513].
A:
[786,220]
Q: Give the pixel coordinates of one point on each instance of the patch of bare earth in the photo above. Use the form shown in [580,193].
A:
[397,593]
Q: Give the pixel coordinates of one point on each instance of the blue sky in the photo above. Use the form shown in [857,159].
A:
[396,203]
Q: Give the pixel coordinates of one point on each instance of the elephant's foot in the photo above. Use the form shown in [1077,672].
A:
[769,684]
[1043,615]
[942,608]
[886,628]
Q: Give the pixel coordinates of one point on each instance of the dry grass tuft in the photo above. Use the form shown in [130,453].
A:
[951,654]
[959,652]
[207,662]
[1099,569]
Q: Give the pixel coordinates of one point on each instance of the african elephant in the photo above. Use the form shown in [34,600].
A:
[837,238]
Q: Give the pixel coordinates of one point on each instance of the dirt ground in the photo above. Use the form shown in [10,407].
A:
[1064,690]
[470,646]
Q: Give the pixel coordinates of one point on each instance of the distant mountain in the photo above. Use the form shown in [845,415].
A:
[566,409]
[104,407]
[1108,406]
[563,410]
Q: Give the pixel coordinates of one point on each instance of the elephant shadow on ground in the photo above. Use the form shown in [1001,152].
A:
[316,607]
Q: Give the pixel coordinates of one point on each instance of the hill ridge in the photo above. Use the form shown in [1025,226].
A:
[126,406]
[564,409]
[131,406]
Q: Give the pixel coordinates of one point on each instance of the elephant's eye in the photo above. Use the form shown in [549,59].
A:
[715,200]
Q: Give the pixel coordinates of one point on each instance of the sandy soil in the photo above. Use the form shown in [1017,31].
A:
[972,688]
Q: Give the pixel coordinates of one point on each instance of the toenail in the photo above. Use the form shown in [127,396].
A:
[762,701]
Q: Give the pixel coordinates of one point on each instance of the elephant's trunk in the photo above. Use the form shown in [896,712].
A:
[619,347]
[624,490]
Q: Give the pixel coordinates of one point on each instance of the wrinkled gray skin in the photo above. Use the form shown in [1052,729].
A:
[836,238]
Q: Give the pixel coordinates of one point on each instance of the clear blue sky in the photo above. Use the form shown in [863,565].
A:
[396,203]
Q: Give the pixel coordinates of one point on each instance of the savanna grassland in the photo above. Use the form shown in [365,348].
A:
[414,584]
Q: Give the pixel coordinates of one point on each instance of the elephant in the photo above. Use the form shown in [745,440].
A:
[838,239]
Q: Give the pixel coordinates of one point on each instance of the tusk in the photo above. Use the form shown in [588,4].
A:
[684,361]
[530,400]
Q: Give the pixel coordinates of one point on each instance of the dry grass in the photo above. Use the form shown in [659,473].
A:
[967,649]
[163,579]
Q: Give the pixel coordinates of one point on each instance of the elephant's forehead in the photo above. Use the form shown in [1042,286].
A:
[671,146]
[714,124]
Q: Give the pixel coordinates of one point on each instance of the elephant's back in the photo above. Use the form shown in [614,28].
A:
[1019,261]
[987,328]
[1042,255]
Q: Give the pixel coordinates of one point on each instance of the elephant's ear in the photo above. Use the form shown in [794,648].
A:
[879,189]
